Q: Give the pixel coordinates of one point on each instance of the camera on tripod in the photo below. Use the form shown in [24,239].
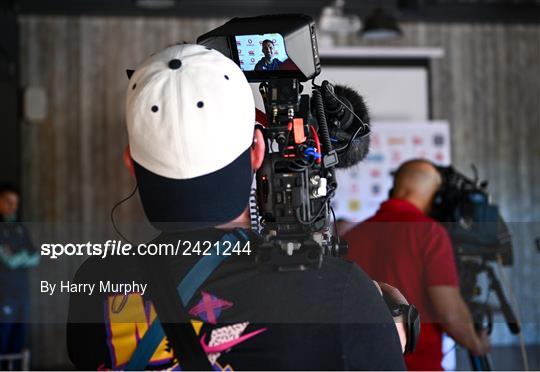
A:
[480,237]
[306,137]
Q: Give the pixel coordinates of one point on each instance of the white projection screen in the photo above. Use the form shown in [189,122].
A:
[391,93]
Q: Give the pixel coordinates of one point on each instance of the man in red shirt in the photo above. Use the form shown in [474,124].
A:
[402,246]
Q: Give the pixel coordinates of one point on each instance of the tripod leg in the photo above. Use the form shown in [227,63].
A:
[480,363]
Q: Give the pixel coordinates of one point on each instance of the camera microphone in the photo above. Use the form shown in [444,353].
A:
[347,118]
[336,106]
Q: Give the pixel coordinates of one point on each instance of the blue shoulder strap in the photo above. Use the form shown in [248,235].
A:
[186,289]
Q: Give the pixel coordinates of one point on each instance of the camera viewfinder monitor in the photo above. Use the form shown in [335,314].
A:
[269,47]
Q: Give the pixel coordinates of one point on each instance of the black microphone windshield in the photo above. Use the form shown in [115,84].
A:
[352,140]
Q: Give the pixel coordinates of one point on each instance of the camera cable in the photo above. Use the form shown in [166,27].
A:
[118,309]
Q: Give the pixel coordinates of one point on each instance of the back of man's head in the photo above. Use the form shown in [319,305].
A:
[8,188]
[9,201]
[190,118]
[417,181]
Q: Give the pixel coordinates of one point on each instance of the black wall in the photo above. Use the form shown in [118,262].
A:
[10,139]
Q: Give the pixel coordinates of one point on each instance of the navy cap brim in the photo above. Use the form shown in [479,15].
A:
[209,200]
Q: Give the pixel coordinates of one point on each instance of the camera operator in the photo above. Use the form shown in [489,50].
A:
[402,246]
[193,150]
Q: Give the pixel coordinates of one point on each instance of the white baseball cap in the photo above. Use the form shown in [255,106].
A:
[190,119]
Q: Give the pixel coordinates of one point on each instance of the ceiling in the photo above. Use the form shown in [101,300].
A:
[406,10]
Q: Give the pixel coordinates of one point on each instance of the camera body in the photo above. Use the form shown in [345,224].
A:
[296,180]
[473,222]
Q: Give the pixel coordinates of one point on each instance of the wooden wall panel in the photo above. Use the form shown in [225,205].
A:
[487,86]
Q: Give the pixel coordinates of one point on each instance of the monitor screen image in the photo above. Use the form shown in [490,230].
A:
[264,52]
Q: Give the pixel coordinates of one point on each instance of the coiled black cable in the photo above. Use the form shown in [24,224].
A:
[324,134]
[255,219]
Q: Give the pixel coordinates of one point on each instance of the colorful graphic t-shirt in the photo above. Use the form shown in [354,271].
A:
[244,316]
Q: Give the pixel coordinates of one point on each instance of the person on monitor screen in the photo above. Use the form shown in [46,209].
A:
[402,246]
[268,62]
[193,156]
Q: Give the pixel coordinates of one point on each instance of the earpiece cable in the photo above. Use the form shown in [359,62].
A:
[114,209]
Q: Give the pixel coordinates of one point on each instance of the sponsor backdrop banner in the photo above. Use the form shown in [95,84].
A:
[363,188]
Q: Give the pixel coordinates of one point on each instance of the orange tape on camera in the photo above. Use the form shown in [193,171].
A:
[299,134]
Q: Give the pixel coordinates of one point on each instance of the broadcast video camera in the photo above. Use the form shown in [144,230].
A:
[479,236]
[306,138]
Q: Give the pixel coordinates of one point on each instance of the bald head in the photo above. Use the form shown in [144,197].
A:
[417,181]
